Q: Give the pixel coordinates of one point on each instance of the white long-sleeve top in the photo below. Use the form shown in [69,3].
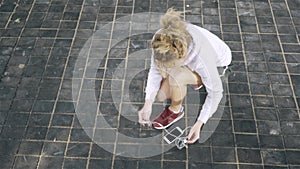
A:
[206,53]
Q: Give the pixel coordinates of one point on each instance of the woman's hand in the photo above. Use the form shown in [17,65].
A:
[144,114]
[194,134]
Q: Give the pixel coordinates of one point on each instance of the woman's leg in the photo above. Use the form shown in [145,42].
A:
[164,91]
[174,86]
[178,79]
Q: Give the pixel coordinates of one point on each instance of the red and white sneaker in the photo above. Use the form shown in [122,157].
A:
[167,118]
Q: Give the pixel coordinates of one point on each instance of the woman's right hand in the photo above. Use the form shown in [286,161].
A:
[144,114]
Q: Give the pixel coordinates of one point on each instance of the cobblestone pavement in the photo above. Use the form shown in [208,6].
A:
[73,74]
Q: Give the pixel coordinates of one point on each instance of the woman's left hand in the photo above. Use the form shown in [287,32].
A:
[194,134]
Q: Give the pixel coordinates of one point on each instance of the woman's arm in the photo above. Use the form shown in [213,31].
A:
[153,82]
[213,85]
[153,85]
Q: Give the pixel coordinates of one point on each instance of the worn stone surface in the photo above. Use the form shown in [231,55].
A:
[51,69]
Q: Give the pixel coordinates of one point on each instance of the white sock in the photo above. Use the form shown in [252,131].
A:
[176,112]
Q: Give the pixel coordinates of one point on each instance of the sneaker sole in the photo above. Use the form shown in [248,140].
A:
[164,127]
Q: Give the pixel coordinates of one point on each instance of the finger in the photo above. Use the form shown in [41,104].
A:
[192,140]
[148,124]
[190,135]
[141,122]
[144,122]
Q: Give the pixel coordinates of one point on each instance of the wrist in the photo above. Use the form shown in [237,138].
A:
[148,102]
[147,105]
[199,124]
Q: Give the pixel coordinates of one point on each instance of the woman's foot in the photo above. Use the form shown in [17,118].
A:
[167,118]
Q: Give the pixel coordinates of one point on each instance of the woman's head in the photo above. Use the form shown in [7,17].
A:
[172,40]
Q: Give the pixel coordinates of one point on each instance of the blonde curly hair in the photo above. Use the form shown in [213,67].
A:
[171,42]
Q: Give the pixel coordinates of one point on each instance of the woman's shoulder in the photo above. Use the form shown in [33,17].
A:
[197,29]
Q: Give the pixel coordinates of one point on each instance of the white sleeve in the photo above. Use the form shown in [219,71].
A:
[213,84]
[153,82]
[206,52]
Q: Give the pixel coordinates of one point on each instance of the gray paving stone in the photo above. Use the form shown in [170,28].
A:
[42,63]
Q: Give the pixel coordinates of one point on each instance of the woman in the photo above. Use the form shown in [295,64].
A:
[183,54]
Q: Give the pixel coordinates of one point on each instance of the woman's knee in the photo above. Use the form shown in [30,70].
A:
[182,76]
[177,78]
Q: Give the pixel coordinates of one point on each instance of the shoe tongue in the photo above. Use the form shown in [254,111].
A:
[166,113]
